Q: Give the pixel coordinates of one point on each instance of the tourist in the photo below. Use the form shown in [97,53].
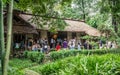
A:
[54,43]
[39,41]
[100,44]
[51,42]
[58,47]
[79,46]
[69,43]
[38,47]
[85,45]
[17,45]
[42,42]
[46,41]
[74,40]
[59,41]
[109,44]
[30,41]
[45,48]
[113,44]
[65,44]
[34,47]
[72,45]
[22,44]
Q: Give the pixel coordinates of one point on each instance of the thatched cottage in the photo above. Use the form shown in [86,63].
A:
[23,29]
[73,29]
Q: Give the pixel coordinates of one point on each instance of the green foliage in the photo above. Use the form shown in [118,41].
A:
[94,44]
[83,65]
[87,37]
[111,7]
[16,66]
[15,71]
[34,56]
[63,54]
[45,8]
[18,63]
[118,42]
[98,20]
[103,39]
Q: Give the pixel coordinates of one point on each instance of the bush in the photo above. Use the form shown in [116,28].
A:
[15,71]
[62,54]
[16,66]
[107,64]
[34,56]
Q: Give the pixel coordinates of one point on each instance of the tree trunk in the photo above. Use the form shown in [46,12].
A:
[83,10]
[8,47]
[114,23]
[2,47]
[114,18]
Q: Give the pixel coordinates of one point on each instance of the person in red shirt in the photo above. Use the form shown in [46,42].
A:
[58,47]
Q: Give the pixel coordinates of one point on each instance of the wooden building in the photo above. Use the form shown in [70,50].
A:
[22,30]
[73,29]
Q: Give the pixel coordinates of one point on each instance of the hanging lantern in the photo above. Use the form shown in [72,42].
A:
[55,36]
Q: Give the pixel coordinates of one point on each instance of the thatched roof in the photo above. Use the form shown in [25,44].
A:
[22,30]
[76,26]
[73,26]
[21,26]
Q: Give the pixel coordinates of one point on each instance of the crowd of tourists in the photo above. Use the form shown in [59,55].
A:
[44,46]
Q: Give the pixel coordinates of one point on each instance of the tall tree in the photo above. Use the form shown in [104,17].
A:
[111,7]
[2,48]
[9,35]
[84,7]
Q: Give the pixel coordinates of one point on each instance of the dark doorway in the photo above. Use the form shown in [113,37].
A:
[50,35]
[73,35]
[62,35]
[17,38]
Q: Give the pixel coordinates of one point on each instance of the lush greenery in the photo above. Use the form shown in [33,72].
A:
[34,56]
[106,18]
[62,54]
[107,64]
[16,66]
[80,62]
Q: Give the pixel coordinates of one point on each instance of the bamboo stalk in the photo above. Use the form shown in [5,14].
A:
[2,47]
[9,34]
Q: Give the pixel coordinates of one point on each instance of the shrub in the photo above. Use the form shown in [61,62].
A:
[62,54]
[21,63]
[15,71]
[82,65]
[16,66]
[34,56]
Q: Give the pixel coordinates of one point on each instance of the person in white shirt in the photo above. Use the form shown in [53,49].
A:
[72,45]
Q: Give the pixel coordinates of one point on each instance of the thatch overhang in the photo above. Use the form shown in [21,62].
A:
[73,26]
[22,30]
[20,26]
[77,26]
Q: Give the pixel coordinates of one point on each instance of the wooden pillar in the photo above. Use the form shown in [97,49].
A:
[26,40]
[69,35]
[77,35]
[44,34]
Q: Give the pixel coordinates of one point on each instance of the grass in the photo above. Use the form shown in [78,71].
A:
[16,66]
